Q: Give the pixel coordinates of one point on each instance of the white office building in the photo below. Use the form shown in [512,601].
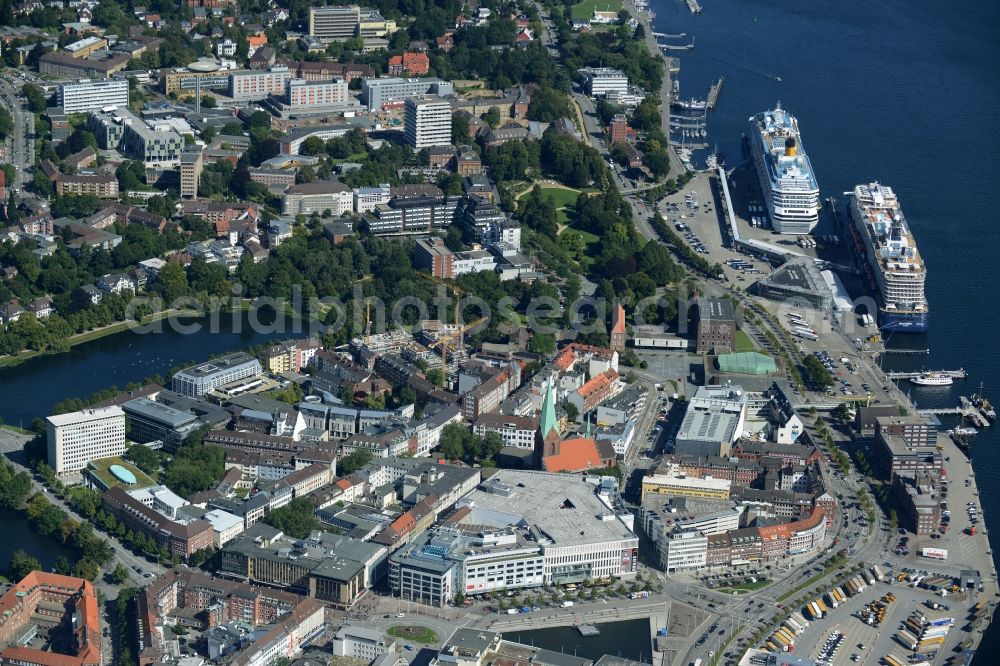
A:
[307,198]
[76,438]
[427,122]
[602,80]
[307,94]
[685,550]
[367,198]
[91,95]
[200,379]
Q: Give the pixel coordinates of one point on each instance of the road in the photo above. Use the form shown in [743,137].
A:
[20,146]
[11,444]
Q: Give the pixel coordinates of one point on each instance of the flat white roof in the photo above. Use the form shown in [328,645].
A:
[680,481]
[85,415]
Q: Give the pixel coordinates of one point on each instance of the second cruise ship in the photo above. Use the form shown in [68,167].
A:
[786,177]
[893,264]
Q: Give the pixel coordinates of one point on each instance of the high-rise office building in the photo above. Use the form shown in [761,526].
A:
[427,122]
[79,437]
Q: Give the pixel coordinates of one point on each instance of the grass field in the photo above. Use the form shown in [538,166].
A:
[743,342]
[561,196]
[745,587]
[585,9]
[414,633]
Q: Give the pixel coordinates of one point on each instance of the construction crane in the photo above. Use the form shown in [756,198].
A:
[446,340]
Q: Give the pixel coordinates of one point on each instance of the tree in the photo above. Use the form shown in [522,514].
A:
[296,519]
[459,129]
[492,117]
[34,97]
[173,282]
[6,123]
[313,146]
[144,458]
[131,175]
[547,104]
[542,344]
[842,412]
[22,564]
[435,376]
[355,461]
[572,413]
[120,574]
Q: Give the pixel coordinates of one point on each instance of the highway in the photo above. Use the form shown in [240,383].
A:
[20,146]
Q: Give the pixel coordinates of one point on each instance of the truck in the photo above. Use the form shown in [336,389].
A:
[839,594]
[934,553]
[642,594]
[566,604]
[822,606]
[906,639]
[832,600]
[877,572]
[801,619]
[511,611]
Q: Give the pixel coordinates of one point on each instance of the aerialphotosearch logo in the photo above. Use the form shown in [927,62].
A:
[314,317]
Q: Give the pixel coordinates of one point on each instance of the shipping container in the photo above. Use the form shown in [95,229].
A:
[893,660]
[906,639]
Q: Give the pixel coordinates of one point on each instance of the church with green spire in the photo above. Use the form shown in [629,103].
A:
[548,436]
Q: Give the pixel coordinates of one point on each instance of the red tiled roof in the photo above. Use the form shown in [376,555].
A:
[575,455]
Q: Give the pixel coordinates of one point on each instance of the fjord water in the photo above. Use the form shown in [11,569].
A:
[900,91]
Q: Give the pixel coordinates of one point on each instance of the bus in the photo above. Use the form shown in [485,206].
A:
[805,335]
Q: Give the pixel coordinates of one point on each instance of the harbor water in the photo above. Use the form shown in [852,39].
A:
[900,91]
[628,639]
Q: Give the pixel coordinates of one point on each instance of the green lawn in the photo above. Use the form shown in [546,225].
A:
[743,342]
[414,633]
[560,196]
[745,587]
[585,9]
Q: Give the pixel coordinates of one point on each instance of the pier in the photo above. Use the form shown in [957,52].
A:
[677,47]
[954,374]
[694,6]
[668,36]
[587,630]
[713,92]
[906,351]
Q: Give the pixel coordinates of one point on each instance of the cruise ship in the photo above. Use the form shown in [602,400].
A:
[786,177]
[893,263]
